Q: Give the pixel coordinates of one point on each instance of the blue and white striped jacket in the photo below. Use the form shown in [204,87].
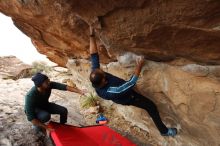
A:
[117,89]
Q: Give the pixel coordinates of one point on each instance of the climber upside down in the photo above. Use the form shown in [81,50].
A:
[110,87]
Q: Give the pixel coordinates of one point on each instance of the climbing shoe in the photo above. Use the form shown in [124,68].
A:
[171,132]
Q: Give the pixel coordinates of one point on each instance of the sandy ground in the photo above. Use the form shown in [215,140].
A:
[14,127]
[16,130]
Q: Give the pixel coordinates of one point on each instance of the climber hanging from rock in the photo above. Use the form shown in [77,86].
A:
[38,109]
[110,87]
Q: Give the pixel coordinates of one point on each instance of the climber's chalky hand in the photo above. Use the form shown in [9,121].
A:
[140,61]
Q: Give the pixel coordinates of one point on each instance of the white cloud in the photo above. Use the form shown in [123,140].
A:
[14,42]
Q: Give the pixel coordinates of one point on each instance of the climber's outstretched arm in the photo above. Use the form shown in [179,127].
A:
[93,47]
[93,50]
[129,84]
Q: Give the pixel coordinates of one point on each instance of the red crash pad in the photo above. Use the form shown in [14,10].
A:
[67,135]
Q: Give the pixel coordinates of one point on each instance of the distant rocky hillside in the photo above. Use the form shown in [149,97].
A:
[13,68]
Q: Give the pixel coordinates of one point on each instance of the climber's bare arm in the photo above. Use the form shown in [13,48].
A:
[93,47]
[139,66]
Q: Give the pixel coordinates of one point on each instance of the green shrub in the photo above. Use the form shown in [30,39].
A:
[89,101]
[40,66]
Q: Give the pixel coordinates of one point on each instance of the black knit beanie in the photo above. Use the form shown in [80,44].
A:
[38,79]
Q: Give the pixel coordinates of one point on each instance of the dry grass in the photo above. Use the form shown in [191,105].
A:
[89,101]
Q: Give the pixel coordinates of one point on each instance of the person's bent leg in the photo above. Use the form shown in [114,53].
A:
[42,115]
[145,103]
[57,109]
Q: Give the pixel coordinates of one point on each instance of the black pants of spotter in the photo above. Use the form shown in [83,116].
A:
[148,105]
[44,114]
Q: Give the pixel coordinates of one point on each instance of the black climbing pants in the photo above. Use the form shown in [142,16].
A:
[145,103]
[44,114]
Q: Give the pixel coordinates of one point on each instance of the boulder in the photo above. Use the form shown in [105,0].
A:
[12,68]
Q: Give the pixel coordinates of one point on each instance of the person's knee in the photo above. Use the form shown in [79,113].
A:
[44,117]
[151,107]
[64,111]
[63,115]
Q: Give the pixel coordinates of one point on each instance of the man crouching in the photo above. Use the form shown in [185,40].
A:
[38,109]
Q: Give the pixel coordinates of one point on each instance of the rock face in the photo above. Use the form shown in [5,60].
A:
[15,130]
[11,67]
[159,30]
[187,96]
[184,36]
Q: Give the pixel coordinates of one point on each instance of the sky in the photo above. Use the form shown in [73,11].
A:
[14,42]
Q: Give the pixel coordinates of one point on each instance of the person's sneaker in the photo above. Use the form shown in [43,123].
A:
[171,132]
